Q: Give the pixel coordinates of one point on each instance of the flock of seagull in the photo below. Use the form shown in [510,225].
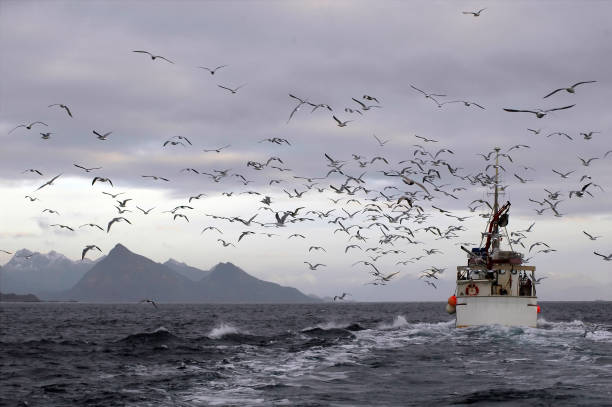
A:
[377,222]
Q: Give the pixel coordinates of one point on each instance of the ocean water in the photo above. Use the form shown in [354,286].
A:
[339,354]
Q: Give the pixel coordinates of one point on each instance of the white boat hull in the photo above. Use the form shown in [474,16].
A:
[500,310]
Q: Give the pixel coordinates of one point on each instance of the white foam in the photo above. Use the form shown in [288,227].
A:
[222,330]
[398,322]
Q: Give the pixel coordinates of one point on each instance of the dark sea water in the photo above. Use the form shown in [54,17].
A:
[341,354]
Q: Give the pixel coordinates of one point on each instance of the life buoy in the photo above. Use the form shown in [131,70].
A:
[472,289]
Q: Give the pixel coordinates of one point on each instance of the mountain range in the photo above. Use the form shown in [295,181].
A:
[124,276]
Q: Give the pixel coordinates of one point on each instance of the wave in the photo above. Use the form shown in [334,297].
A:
[159,335]
[222,330]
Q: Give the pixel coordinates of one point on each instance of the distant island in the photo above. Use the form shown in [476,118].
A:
[124,276]
[10,297]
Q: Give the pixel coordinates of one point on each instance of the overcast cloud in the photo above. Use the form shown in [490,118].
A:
[79,54]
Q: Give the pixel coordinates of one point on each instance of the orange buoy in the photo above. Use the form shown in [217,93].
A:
[452,300]
[539,309]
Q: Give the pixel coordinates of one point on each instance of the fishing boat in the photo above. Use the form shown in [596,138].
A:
[495,287]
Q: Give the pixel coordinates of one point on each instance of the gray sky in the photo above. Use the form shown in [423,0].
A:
[79,54]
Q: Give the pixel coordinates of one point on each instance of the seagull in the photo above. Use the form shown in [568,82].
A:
[153,57]
[93,225]
[606,258]
[145,212]
[50,182]
[50,211]
[341,123]
[245,233]
[27,126]
[210,228]
[224,243]
[413,182]
[88,248]
[561,174]
[340,297]
[558,133]
[5,251]
[537,280]
[380,142]
[180,215]
[196,197]
[475,13]
[591,236]
[150,302]
[46,136]
[523,181]
[363,106]
[217,150]
[465,103]
[233,91]
[119,219]
[31,198]
[427,95]
[569,90]
[536,132]
[173,143]
[212,71]
[539,112]
[63,226]
[102,136]
[113,195]
[102,179]
[589,135]
[155,177]
[63,107]
[32,170]
[296,108]
[587,162]
[314,267]
[427,140]
[87,169]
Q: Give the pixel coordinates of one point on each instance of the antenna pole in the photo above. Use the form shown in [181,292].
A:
[495,202]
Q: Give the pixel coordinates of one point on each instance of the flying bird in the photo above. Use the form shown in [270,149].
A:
[32,170]
[233,91]
[50,182]
[114,196]
[475,13]
[217,150]
[62,107]
[413,182]
[27,126]
[102,179]
[340,297]
[93,225]
[341,123]
[539,112]
[150,302]
[88,248]
[119,219]
[102,136]
[87,169]
[155,177]
[606,258]
[153,57]
[212,71]
[63,227]
[591,237]
[314,267]
[571,89]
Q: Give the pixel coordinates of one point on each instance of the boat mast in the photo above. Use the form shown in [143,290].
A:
[495,202]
